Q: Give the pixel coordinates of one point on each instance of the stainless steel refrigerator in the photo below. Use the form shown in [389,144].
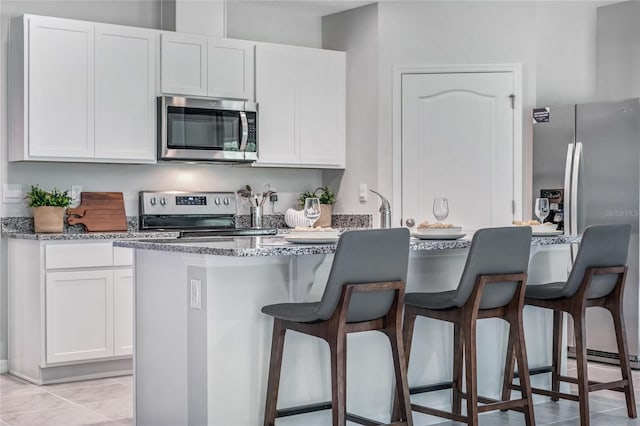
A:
[592,153]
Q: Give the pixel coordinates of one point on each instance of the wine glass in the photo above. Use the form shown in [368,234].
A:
[542,208]
[312,209]
[440,208]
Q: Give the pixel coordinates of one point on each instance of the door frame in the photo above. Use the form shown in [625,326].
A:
[398,71]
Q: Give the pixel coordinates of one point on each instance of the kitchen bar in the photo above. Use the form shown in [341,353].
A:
[202,345]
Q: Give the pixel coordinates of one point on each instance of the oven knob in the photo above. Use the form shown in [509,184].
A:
[163,201]
[226,201]
[153,201]
[217,201]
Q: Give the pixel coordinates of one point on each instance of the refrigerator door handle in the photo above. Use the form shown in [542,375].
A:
[574,188]
[567,190]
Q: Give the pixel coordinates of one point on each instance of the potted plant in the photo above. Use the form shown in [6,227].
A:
[327,199]
[48,208]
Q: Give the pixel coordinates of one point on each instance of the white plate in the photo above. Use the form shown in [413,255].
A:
[437,236]
[312,240]
[547,233]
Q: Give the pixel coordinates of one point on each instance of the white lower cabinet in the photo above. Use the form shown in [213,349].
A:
[79,315]
[70,310]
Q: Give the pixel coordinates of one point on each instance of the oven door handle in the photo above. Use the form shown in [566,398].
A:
[245,131]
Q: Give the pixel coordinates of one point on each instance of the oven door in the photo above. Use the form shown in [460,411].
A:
[206,130]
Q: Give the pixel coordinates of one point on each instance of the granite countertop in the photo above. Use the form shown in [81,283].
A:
[26,235]
[278,246]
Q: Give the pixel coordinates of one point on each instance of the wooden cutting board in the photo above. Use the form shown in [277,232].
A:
[99,212]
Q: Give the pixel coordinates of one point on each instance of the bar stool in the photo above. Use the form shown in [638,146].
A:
[364,292]
[597,280]
[492,286]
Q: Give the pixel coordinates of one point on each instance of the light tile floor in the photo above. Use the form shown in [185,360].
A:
[109,402]
[103,402]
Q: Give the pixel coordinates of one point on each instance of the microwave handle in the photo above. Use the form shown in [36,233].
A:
[245,131]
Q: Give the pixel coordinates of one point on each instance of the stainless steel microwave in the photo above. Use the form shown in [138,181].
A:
[207,129]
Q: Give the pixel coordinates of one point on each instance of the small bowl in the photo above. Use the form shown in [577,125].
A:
[439,231]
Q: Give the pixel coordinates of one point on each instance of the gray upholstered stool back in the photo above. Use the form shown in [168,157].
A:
[601,246]
[366,257]
[495,251]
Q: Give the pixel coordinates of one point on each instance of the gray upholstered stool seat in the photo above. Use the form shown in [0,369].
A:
[364,292]
[597,279]
[492,286]
[300,312]
[439,300]
[546,291]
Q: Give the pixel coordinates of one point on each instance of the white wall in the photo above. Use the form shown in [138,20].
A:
[273,21]
[356,32]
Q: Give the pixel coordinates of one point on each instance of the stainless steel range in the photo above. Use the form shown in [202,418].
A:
[193,214]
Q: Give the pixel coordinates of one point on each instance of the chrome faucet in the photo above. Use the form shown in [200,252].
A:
[385,211]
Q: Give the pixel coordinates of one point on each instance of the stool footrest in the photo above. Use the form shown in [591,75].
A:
[430,388]
[439,413]
[552,394]
[503,405]
[321,406]
[303,409]
[362,420]
[536,370]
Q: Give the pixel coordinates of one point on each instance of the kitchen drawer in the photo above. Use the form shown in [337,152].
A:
[59,256]
[122,256]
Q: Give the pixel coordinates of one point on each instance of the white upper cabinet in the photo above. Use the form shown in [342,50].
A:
[81,91]
[184,64]
[301,95]
[200,66]
[230,65]
[125,93]
[59,88]
[277,97]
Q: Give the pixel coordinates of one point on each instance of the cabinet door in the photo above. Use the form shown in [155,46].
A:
[184,65]
[125,93]
[61,88]
[123,311]
[230,68]
[321,109]
[79,315]
[277,96]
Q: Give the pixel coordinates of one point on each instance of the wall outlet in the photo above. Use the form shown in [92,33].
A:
[75,195]
[196,293]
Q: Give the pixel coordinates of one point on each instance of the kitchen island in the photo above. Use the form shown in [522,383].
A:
[202,345]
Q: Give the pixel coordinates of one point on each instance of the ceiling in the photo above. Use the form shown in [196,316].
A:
[313,7]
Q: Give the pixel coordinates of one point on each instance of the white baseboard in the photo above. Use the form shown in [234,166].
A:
[4,366]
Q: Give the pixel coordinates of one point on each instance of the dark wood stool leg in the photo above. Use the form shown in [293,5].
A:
[458,347]
[402,405]
[581,364]
[275,366]
[557,353]
[469,335]
[338,349]
[509,366]
[408,324]
[625,368]
[523,368]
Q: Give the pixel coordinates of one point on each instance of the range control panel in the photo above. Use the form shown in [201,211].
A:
[187,203]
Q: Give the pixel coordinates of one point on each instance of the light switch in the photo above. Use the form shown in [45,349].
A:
[12,193]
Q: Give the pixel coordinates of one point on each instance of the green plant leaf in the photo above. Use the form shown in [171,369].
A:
[326,196]
[38,197]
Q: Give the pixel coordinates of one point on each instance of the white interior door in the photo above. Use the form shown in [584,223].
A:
[458,142]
